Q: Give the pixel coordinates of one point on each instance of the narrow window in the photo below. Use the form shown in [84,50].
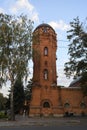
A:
[45,51]
[45,30]
[45,74]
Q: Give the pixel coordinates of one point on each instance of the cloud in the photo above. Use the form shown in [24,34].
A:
[61,25]
[25,7]
[35,17]
[2,10]
[21,4]
[62,79]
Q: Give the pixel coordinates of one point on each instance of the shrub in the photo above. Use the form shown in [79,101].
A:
[3,115]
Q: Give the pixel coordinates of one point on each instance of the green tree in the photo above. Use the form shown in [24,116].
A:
[77,49]
[28,95]
[77,65]
[2,102]
[15,49]
[18,96]
[28,90]
[7,104]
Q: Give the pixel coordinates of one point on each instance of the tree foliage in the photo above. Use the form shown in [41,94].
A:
[19,96]
[15,46]
[15,49]
[77,64]
[2,102]
[28,90]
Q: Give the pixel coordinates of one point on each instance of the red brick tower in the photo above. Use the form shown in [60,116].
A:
[44,58]
[44,91]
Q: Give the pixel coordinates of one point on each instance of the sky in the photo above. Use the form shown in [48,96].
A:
[58,14]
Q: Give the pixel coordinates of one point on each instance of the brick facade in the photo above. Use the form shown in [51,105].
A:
[47,98]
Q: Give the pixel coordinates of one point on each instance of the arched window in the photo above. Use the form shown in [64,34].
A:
[45,51]
[83,105]
[45,74]
[66,105]
[46,105]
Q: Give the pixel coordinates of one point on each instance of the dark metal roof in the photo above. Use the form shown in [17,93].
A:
[44,25]
[75,81]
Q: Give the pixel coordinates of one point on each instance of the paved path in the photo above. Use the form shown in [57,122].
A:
[44,121]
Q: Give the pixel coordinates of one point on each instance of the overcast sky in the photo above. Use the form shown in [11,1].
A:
[57,13]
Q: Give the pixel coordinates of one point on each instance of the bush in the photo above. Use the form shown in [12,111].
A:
[3,115]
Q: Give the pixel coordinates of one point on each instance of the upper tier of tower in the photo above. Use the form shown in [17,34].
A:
[44,55]
[46,31]
[44,27]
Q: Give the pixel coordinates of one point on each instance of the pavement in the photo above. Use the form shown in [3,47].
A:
[44,121]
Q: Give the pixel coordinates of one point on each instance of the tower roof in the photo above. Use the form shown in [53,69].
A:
[44,25]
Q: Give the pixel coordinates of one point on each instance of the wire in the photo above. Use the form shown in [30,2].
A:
[62,47]
[63,40]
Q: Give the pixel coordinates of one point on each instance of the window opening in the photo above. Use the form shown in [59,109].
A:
[45,74]
[46,105]
[66,105]
[45,51]
[45,30]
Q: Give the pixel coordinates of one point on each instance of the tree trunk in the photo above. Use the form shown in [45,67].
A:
[12,115]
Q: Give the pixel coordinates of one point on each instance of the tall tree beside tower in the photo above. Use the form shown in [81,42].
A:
[77,65]
[15,49]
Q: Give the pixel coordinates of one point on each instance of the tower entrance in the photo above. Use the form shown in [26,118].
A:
[46,108]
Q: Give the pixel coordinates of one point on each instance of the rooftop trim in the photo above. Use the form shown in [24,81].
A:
[44,25]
